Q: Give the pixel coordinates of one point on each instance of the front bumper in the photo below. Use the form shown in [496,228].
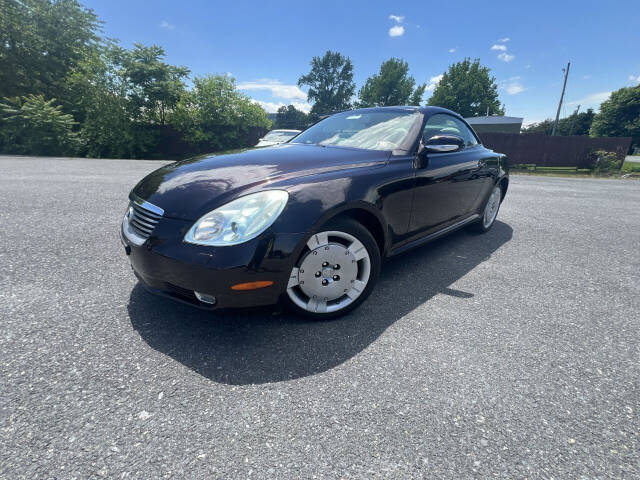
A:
[168,266]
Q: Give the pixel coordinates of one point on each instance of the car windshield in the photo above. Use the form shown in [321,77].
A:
[385,130]
[279,136]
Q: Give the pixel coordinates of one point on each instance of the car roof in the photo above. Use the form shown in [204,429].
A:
[427,110]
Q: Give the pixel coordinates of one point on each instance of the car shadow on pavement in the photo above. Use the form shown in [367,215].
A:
[265,345]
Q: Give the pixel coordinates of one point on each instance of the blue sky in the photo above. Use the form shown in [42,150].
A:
[266,45]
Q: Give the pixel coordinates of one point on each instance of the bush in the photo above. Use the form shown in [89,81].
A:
[214,116]
[31,125]
[606,161]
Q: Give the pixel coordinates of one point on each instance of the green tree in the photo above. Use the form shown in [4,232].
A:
[32,125]
[215,116]
[578,123]
[330,83]
[574,124]
[40,43]
[619,115]
[391,86]
[155,86]
[468,89]
[291,117]
[99,102]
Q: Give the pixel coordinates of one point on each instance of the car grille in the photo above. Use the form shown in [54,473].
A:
[142,220]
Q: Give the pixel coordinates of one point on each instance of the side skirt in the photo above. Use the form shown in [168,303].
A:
[434,235]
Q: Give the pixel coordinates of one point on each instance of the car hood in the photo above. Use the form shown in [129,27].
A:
[190,188]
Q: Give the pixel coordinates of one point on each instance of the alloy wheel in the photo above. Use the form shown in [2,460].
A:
[491,209]
[332,273]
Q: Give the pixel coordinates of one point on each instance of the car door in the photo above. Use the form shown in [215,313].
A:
[446,184]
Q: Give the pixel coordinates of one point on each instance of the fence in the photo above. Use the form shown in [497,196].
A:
[547,151]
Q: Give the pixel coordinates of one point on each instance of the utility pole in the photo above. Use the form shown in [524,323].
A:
[564,85]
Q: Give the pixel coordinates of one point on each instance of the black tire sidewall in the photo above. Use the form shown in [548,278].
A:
[352,227]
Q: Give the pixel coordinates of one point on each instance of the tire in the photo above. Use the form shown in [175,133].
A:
[336,271]
[489,212]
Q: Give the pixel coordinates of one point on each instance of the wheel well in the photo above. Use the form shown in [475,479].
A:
[504,185]
[370,222]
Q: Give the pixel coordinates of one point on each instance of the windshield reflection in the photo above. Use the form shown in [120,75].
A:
[366,130]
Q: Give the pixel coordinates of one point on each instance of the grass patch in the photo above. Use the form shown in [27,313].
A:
[630,167]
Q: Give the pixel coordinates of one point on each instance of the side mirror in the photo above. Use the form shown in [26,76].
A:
[443,144]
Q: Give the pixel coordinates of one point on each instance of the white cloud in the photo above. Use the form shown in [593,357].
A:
[396,18]
[504,56]
[433,83]
[167,25]
[396,31]
[277,88]
[634,79]
[272,107]
[504,40]
[593,100]
[514,88]
[527,67]
[452,50]
[586,77]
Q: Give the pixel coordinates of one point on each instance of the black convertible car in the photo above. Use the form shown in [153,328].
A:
[309,221]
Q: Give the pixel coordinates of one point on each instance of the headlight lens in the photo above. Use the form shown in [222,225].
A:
[239,220]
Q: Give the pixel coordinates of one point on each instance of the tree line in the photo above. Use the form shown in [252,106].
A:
[66,89]
[619,116]
[466,87]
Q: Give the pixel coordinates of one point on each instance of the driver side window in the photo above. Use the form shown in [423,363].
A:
[443,124]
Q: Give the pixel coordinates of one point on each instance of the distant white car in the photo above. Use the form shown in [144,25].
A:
[274,137]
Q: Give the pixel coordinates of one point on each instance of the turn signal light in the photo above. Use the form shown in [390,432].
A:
[252,285]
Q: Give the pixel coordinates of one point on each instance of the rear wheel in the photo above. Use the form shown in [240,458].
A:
[336,271]
[490,211]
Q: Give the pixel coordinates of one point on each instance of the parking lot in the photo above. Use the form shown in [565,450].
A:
[512,354]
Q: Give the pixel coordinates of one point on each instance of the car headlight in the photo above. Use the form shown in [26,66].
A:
[239,220]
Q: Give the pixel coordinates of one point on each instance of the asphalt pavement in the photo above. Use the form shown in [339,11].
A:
[513,354]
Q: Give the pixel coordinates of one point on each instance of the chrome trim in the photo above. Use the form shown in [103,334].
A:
[130,234]
[144,204]
[140,225]
[442,148]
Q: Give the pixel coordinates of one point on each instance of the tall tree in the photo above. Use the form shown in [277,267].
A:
[391,86]
[330,83]
[40,43]
[156,86]
[291,117]
[468,89]
[214,115]
[619,116]
[99,101]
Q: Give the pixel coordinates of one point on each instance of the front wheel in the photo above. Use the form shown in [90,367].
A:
[336,271]
[490,211]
